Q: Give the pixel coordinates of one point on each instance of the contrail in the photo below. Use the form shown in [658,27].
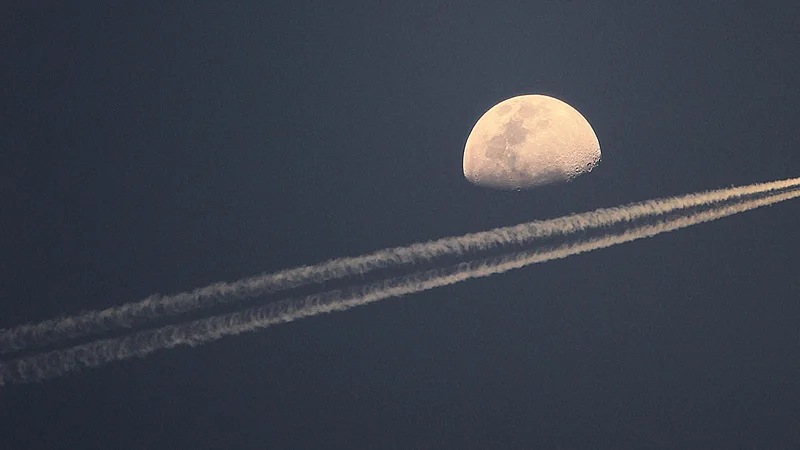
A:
[61,330]
[61,362]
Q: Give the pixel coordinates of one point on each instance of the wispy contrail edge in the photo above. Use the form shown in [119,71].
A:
[63,329]
[94,354]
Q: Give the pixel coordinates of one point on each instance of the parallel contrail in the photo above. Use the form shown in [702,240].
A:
[61,330]
[140,344]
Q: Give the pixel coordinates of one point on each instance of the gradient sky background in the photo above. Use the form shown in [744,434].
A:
[148,147]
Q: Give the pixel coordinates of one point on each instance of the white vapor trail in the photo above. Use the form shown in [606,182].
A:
[60,330]
[61,362]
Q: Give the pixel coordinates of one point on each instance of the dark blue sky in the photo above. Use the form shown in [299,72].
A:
[147,147]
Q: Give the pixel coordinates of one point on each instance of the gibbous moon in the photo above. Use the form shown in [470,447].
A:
[529,141]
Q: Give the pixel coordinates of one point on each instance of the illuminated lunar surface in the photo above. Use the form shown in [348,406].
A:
[528,141]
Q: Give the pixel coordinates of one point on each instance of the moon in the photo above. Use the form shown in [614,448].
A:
[529,141]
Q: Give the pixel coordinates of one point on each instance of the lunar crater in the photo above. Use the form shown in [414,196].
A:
[528,141]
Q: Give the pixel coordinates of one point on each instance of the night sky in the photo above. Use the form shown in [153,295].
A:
[155,147]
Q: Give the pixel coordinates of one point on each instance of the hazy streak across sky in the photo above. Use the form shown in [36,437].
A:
[60,362]
[62,330]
